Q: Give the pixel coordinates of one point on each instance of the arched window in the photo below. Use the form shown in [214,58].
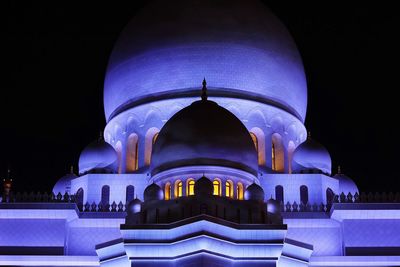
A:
[150,138]
[258,137]
[132,162]
[105,195]
[304,194]
[279,193]
[217,187]
[278,156]
[239,191]
[190,187]
[155,137]
[255,140]
[178,188]
[79,198]
[229,188]
[329,196]
[167,190]
[130,193]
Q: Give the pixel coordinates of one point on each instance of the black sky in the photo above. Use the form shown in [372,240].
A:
[54,56]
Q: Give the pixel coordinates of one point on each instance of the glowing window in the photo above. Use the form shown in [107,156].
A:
[178,188]
[217,187]
[239,191]
[273,157]
[255,140]
[167,190]
[155,138]
[229,188]
[190,187]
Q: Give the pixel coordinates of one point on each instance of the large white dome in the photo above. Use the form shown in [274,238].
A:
[242,49]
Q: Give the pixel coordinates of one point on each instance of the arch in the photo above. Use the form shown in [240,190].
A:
[279,193]
[105,195]
[178,192]
[291,148]
[229,188]
[190,187]
[304,194]
[150,137]
[130,193]
[258,137]
[79,198]
[329,196]
[239,191]
[217,187]
[132,159]
[278,155]
[118,148]
[167,191]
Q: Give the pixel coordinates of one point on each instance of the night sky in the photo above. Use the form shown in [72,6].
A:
[54,56]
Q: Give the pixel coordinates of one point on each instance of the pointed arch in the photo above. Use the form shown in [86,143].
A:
[130,193]
[79,198]
[178,190]
[132,159]
[304,194]
[105,195]
[258,137]
[190,187]
[229,189]
[277,151]
[217,187]
[167,191]
[150,137]
[239,191]
[279,193]
[329,196]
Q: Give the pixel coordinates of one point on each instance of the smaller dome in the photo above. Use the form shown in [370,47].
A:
[346,184]
[153,192]
[254,192]
[63,185]
[134,206]
[98,157]
[273,206]
[311,155]
[203,186]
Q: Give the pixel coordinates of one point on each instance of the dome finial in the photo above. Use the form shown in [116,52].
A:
[204,90]
[72,169]
[339,171]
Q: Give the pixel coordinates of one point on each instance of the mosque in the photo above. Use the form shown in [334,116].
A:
[204,160]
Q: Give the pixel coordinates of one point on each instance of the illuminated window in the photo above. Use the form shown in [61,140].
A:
[239,191]
[278,161]
[217,187]
[229,188]
[167,190]
[178,188]
[255,140]
[132,153]
[273,157]
[155,138]
[190,187]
